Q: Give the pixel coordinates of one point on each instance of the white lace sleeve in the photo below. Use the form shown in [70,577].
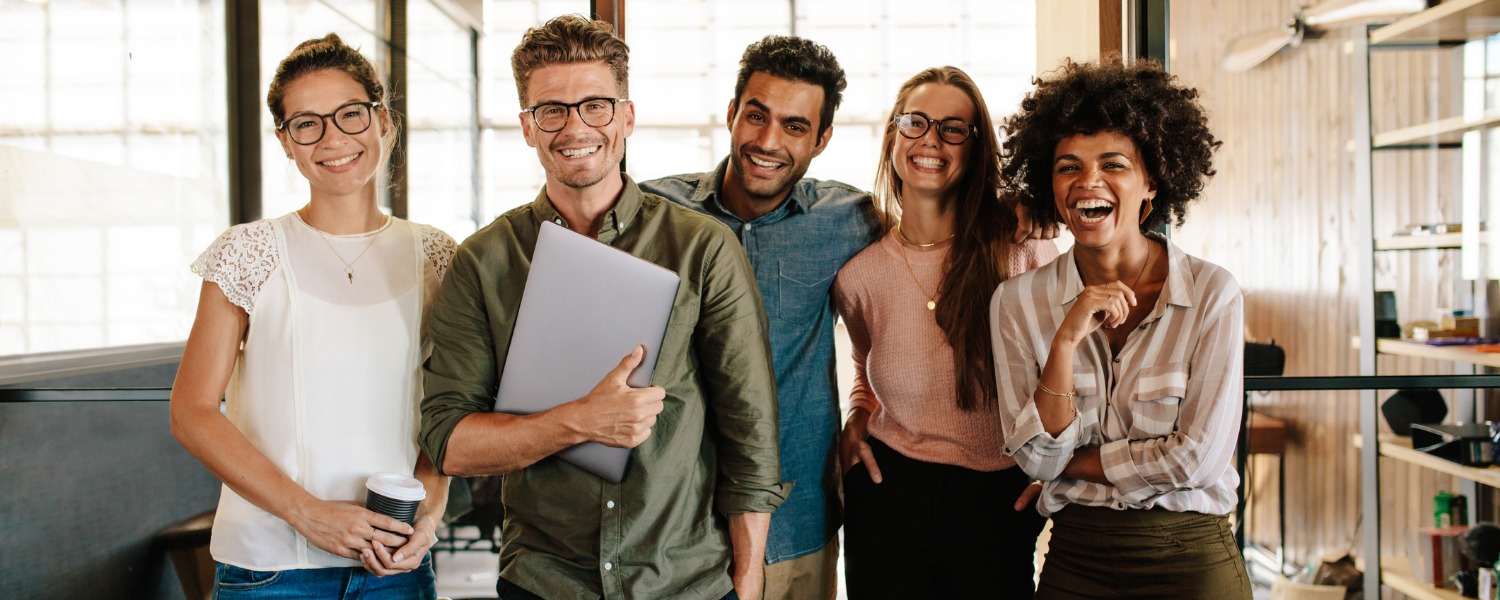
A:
[240,261]
[438,246]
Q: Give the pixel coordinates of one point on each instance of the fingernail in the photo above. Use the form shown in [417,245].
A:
[399,557]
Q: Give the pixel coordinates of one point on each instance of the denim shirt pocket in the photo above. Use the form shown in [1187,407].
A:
[1157,399]
[802,289]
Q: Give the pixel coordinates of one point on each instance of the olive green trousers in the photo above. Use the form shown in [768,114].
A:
[1103,553]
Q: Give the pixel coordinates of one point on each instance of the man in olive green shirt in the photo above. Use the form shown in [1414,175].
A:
[689,519]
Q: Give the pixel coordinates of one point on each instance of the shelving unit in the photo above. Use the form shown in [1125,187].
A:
[1398,447]
[1396,572]
[1442,131]
[1446,25]
[1436,241]
[1449,21]
[1461,354]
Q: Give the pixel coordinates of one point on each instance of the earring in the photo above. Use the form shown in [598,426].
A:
[1145,211]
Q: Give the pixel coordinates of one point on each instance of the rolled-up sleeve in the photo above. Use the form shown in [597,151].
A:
[1195,454]
[734,357]
[459,377]
[1017,373]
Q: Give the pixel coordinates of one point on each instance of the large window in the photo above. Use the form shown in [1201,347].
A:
[685,55]
[112,154]
[441,156]
[114,151]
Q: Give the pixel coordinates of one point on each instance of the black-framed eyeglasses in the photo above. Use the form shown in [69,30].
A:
[914,125]
[552,117]
[308,129]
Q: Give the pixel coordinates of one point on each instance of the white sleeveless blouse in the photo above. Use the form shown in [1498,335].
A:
[328,380]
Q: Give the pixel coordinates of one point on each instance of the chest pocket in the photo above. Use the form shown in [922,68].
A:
[1086,396]
[802,289]
[1157,400]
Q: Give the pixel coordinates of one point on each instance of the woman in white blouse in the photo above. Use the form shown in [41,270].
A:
[310,326]
[1119,364]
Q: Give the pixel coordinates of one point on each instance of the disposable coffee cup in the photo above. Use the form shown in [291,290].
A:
[394,495]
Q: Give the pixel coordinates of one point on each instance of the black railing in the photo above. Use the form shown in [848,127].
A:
[19,395]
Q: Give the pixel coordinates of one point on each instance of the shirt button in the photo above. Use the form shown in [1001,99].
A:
[610,504]
[1117,359]
[747,227]
[609,566]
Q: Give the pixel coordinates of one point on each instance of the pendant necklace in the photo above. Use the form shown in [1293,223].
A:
[348,264]
[902,241]
[1137,281]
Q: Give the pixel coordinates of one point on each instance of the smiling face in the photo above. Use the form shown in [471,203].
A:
[1100,184]
[578,156]
[340,164]
[773,130]
[927,165]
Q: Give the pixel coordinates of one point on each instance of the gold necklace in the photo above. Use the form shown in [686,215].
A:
[1138,276]
[931,298]
[348,264]
[902,237]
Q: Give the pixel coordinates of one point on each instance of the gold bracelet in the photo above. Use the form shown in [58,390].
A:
[1044,389]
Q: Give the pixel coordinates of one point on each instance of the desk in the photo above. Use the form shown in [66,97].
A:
[1267,435]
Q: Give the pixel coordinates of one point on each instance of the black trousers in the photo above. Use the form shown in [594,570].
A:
[936,531]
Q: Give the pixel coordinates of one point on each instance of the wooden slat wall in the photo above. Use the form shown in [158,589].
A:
[1280,215]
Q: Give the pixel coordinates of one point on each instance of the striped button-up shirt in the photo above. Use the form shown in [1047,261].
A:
[1165,412]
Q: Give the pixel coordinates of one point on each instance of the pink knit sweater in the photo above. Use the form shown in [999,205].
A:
[903,366]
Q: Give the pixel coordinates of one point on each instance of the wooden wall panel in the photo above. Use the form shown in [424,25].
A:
[1280,215]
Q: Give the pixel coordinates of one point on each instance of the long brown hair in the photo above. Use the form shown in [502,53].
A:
[980,255]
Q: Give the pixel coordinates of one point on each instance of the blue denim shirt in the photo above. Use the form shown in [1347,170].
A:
[796,249]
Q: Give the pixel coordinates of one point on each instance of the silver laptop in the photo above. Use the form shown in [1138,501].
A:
[586,306]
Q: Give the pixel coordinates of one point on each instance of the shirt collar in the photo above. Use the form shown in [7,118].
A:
[708,195]
[1176,290]
[616,221]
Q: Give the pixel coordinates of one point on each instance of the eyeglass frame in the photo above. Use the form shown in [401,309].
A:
[575,108]
[969,132]
[370,104]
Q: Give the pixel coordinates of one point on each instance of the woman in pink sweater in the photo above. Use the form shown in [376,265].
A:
[928,491]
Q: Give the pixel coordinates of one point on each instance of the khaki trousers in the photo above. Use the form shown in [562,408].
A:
[810,577]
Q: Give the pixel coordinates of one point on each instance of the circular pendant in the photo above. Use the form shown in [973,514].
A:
[931,305]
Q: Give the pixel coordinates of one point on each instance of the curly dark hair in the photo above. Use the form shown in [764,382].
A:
[796,59]
[1140,101]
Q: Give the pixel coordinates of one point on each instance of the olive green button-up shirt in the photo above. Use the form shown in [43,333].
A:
[660,532]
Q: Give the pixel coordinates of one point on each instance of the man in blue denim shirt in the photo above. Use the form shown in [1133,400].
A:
[797,233]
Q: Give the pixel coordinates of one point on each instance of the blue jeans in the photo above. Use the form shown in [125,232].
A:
[341,583]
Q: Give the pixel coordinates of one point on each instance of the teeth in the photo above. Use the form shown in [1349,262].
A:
[580,152]
[929,162]
[761,163]
[1099,208]
[339,162]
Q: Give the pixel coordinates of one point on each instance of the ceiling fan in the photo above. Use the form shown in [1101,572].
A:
[1251,49]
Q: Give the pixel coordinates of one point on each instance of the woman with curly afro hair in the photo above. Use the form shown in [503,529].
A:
[1119,364]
